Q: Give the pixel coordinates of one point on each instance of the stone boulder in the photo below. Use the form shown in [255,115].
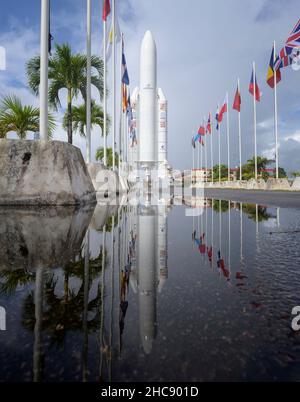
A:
[43,173]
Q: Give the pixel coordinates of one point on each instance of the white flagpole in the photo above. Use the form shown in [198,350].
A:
[114,83]
[45,12]
[121,108]
[205,150]
[240,134]
[198,161]
[88,83]
[254,116]
[104,95]
[228,138]
[201,167]
[211,149]
[193,156]
[275,114]
[219,152]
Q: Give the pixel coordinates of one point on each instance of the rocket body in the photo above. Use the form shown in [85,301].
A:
[148,102]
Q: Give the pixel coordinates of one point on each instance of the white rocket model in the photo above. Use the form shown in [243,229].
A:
[149,106]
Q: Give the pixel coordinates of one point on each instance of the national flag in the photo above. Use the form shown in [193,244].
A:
[253,86]
[124,97]
[237,101]
[125,76]
[197,137]
[193,143]
[208,125]
[110,38]
[271,72]
[291,50]
[217,118]
[201,130]
[222,111]
[106,9]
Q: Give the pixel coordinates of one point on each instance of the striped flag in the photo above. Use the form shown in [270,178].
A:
[106,9]
[201,130]
[110,38]
[253,86]
[271,72]
[217,118]
[125,76]
[208,125]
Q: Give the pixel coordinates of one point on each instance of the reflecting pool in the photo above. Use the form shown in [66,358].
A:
[198,289]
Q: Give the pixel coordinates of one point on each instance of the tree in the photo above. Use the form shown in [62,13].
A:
[249,168]
[100,156]
[79,118]
[19,118]
[224,172]
[295,174]
[66,71]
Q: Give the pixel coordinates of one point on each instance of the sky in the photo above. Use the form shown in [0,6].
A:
[202,47]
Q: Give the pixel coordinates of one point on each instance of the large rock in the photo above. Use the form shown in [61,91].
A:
[43,173]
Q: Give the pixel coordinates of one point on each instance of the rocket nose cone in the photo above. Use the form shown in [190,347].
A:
[148,41]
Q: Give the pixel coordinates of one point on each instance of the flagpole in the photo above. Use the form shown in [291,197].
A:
[198,161]
[193,156]
[114,84]
[228,138]
[205,150]
[201,167]
[121,108]
[211,151]
[254,116]
[104,95]
[240,135]
[275,113]
[220,153]
[45,12]
[88,83]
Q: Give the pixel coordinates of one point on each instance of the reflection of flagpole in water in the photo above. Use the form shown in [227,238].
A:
[212,232]
[38,303]
[85,309]
[111,306]
[257,228]
[241,221]
[278,217]
[220,225]
[102,299]
[229,237]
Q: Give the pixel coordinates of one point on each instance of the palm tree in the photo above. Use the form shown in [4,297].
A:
[14,116]
[79,118]
[66,71]
[100,156]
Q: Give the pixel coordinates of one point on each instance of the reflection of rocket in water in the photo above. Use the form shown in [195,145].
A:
[152,268]
[146,269]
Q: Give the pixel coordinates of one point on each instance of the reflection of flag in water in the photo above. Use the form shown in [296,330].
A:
[253,86]
[221,265]
[202,247]
[210,253]
[271,72]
